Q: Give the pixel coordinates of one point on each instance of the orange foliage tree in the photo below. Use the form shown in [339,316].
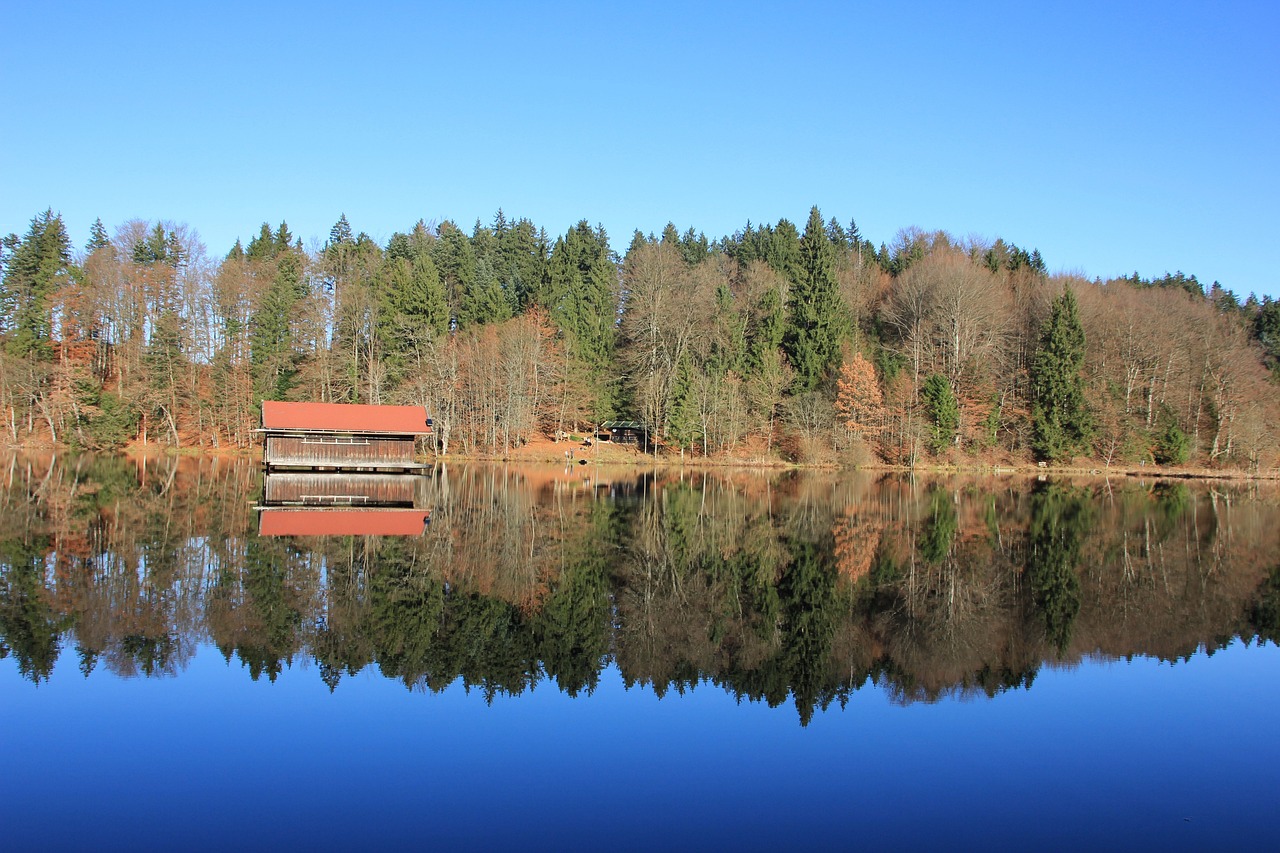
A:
[859,402]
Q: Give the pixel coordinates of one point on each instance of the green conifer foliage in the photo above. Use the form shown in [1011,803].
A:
[1173,446]
[942,409]
[818,316]
[1061,422]
[582,291]
[1266,329]
[1060,518]
[39,264]
[97,237]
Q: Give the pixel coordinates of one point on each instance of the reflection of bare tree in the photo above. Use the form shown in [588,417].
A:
[773,587]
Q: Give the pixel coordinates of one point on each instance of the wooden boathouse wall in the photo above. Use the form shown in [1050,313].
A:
[341,437]
[322,451]
[306,488]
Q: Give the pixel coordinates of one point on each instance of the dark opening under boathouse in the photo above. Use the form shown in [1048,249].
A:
[341,437]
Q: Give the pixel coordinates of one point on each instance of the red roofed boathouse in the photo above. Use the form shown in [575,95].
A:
[340,436]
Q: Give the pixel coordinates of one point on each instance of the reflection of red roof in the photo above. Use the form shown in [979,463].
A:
[342,522]
[343,417]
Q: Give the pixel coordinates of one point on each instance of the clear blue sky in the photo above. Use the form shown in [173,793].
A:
[1112,136]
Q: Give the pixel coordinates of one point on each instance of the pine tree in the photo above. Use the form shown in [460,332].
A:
[455,260]
[39,264]
[1060,420]
[97,237]
[942,409]
[818,317]
[340,233]
[272,348]
[581,295]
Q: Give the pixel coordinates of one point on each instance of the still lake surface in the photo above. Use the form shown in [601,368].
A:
[629,659]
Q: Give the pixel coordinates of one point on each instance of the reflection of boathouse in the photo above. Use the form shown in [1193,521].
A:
[307,488]
[286,521]
[341,437]
[309,503]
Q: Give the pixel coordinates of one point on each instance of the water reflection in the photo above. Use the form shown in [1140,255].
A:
[776,588]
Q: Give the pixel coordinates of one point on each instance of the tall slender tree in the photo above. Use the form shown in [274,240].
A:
[818,315]
[1060,419]
[38,265]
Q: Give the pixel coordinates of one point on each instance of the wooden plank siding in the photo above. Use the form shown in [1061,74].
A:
[326,489]
[338,451]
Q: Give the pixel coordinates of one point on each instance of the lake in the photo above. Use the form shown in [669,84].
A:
[622,658]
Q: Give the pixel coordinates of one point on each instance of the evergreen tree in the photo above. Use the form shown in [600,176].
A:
[264,247]
[582,295]
[1061,422]
[942,409]
[1173,446]
[35,268]
[694,247]
[1266,330]
[272,351]
[97,237]
[782,249]
[484,301]
[410,286]
[340,233]
[520,262]
[818,317]
[455,259]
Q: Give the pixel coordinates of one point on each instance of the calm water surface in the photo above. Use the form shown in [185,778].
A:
[624,659]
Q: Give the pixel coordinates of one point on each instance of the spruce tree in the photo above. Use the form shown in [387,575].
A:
[39,264]
[1061,423]
[340,233]
[942,409]
[97,237]
[818,319]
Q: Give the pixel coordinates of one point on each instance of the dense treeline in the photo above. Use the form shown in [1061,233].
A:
[809,343]
[775,588]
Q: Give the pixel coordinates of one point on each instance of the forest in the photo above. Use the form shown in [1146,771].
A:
[809,345]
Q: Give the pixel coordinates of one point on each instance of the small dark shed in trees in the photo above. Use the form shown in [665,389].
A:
[624,432]
[341,437]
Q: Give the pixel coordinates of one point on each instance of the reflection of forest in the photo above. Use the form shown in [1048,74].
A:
[800,586]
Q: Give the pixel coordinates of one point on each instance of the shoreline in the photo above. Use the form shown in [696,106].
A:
[618,457]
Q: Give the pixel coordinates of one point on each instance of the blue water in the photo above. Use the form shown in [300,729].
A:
[1106,755]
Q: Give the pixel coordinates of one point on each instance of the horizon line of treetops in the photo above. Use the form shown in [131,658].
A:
[812,345]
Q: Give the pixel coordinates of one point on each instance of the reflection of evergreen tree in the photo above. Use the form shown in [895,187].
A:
[940,529]
[1060,518]
[485,641]
[1172,500]
[807,593]
[341,649]
[406,612]
[152,654]
[88,660]
[29,628]
[574,627]
[1265,612]
[274,636]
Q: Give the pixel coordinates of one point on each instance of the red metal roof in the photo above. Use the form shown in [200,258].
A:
[342,522]
[344,417]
